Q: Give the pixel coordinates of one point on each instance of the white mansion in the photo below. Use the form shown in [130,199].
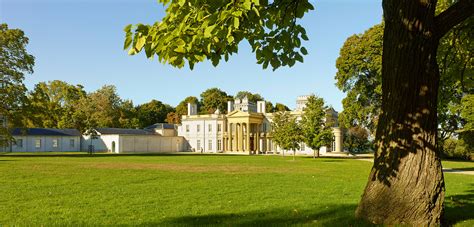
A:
[245,128]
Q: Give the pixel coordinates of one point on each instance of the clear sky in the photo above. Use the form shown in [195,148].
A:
[80,42]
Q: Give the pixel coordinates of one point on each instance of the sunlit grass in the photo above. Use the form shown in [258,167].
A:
[193,189]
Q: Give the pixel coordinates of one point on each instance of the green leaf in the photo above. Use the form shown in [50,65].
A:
[299,58]
[237,13]
[208,31]
[256,11]
[304,36]
[140,43]
[230,39]
[247,5]
[180,42]
[236,22]
[127,28]
[180,49]
[200,57]
[304,51]
[128,41]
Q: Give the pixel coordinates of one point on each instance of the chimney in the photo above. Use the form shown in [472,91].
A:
[230,106]
[192,109]
[261,107]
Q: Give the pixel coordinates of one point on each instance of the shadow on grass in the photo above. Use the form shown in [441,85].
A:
[337,215]
[335,158]
[459,208]
[458,169]
[83,154]
[332,160]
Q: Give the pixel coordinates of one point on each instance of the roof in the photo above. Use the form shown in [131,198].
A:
[161,126]
[45,132]
[123,131]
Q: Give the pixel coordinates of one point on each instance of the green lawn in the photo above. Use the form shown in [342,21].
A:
[75,189]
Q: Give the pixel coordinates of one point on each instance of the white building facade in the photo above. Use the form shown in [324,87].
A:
[203,133]
[245,128]
[119,140]
[45,140]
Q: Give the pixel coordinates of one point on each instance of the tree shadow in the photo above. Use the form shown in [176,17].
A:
[459,208]
[83,154]
[336,215]
[447,170]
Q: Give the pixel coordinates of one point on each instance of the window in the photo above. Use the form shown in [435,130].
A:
[303,147]
[198,128]
[210,128]
[19,142]
[210,145]
[187,128]
[71,142]
[264,127]
[219,145]
[38,143]
[55,142]
[198,144]
[219,127]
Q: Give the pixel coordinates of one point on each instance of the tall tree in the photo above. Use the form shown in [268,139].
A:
[53,104]
[251,96]
[407,126]
[173,118]
[360,68]
[269,108]
[315,130]
[128,115]
[182,107]
[14,63]
[406,155]
[287,133]
[153,112]
[100,108]
[359,75]
[213,99]
[281,107]
[356,139]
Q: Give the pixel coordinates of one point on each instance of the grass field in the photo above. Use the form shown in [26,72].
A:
[195,189]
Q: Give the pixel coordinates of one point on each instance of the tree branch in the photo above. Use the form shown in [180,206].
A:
[454,15]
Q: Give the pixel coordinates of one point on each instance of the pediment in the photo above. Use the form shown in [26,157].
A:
[238,113]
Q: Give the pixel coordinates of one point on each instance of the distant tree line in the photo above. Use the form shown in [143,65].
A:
[57,104]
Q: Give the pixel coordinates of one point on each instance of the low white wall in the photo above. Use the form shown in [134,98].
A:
[104,143]
[150,144]
[63,142]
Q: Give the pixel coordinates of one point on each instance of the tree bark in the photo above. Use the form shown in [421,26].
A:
[406,183]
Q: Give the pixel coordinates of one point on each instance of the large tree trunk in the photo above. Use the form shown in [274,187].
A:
[406,183]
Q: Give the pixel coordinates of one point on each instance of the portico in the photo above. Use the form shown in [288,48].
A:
[243,131]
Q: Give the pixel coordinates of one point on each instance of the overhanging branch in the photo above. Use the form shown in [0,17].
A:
[454,15]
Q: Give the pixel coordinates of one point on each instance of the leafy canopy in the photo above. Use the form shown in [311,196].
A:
[14,63]
[359,74]
[214,99]
[196,30]
[316,132]
[286,131]
[251,96]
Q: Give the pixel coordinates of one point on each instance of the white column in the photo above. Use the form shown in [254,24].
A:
[338,139]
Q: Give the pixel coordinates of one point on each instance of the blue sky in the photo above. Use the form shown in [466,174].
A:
[80,42]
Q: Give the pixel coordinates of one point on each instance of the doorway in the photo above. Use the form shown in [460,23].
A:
[113,146]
